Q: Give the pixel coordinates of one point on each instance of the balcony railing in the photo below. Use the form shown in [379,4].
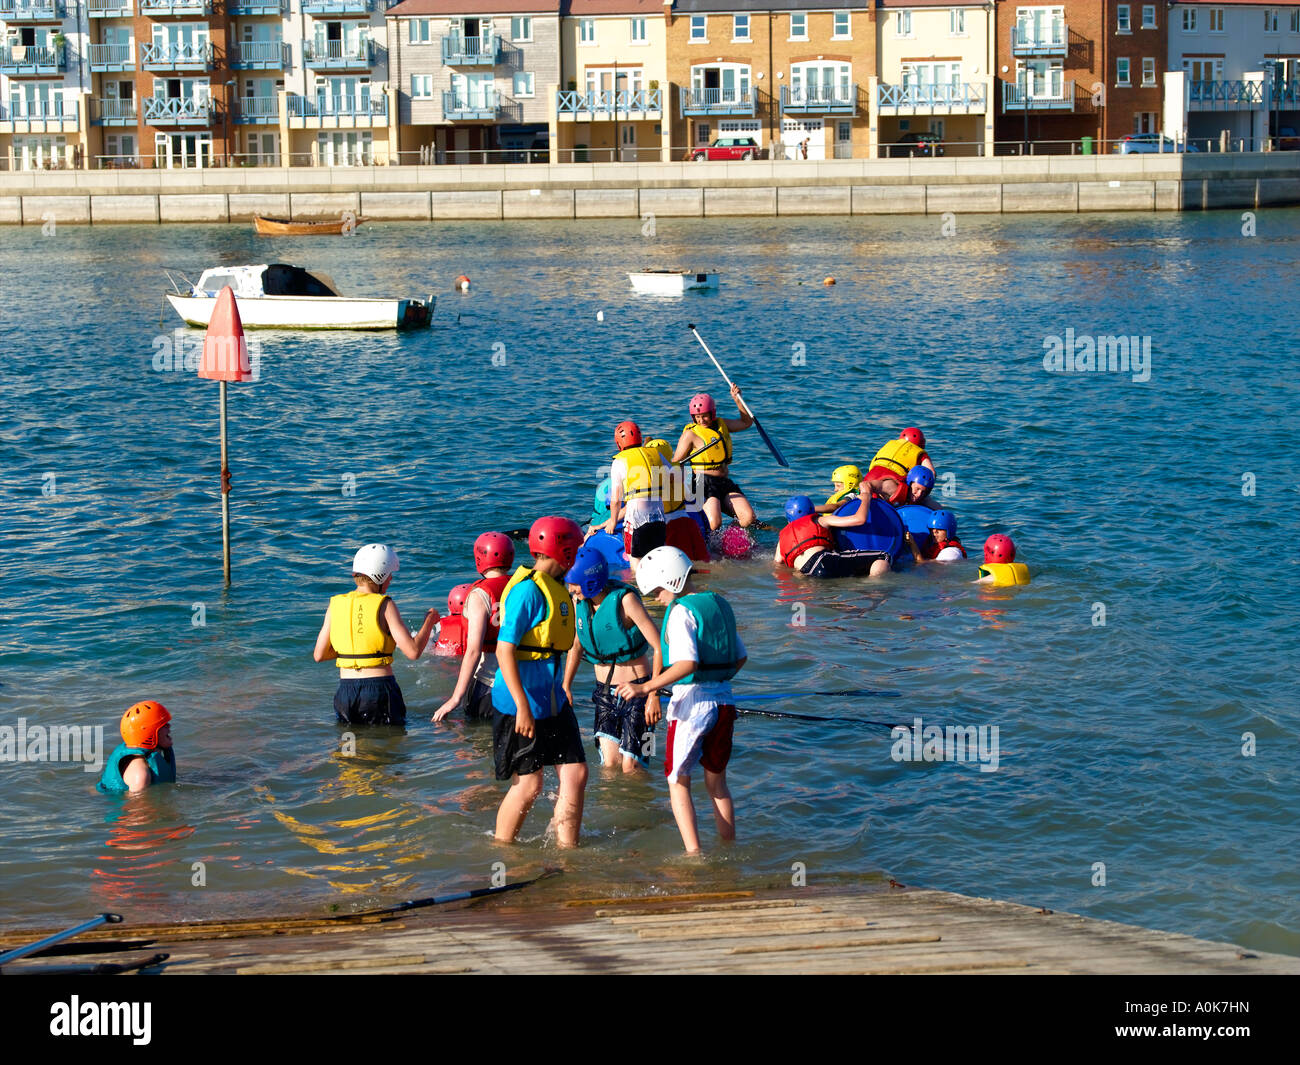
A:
[608,103]
[175,8]
[458,107]
[962,96]
[1014,98]
[24,115]
[820,99]
[259,55]
[718,102]
[338,106]
[1051,38]
[27,61]
[1286,92]
[113,113]
[109,8]
[264,110]
[31,10]
[108,57]
[458,51]
[176,56]
[337,7]
[338,55]
[247,8]
[1225,95]
[177,110]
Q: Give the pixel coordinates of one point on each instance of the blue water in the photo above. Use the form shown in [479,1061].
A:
[1119,743]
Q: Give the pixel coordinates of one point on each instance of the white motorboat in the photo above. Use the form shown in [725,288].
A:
[670,282]
[277,296]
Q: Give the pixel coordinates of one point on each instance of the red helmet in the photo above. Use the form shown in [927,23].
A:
[493,550]
[456,599]
[628,434]
[999,548]
[557,538]
[142,723]
[913,436]
[702,403]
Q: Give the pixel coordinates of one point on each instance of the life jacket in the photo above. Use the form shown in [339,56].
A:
[602,636]
[355,633]
[718,453]
[451,636]
[934,547]
[801,535]
[553,635]
[673,481]
[715,637]
[843,494]
[494,586]
[644,472]
[1005,574]
[898,456]
[161,762]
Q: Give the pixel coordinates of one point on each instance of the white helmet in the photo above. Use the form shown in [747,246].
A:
[664,567]
[376,561]
[949,554]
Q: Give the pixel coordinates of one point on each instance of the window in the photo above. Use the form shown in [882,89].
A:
[1121,72]
[1148,16]
[903,25]
[1144,122]
[1148,72]
[1189,20]
[840,24]
[799,27]
[638,30]
[1122,22]
[1270,20]
[740,28]
[1295,20]
[421,86]
[957,22]
[698,25]
[586,31]
[521,28]
[1216,20]
[523,84]
[417,31]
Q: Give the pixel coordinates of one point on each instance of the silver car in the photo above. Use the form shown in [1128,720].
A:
[1150,142]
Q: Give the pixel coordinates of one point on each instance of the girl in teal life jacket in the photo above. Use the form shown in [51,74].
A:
[616,635]
[145,754]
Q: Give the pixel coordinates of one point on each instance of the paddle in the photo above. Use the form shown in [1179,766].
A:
[58,937]
[776,452]
[438,900]
[813,717]
[854,693]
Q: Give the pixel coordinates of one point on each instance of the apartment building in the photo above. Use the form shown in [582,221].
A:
[42,107]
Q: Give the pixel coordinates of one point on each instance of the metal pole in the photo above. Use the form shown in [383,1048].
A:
[225,493]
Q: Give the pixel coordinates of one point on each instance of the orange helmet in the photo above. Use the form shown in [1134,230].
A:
[628,434]
[142,723]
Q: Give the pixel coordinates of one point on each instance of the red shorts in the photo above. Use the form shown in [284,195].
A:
[684,533]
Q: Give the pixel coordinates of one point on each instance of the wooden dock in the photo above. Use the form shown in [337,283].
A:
[822,931]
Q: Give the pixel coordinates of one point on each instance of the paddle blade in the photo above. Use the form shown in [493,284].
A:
[771,446]
[225,353]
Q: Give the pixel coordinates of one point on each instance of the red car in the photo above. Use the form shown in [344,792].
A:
[727,148]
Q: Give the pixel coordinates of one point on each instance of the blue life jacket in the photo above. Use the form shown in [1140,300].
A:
[715,637]
[161,762]
[603,639]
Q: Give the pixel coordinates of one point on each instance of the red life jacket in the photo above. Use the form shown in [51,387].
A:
[931,551]
[494,586]
[451,636]
[801,535]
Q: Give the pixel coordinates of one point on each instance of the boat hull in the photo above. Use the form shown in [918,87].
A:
[310,312]
[670,282]
[281,227]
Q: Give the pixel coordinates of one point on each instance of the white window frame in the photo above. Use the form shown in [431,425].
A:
[803,17]
[736,35]
[422,82]
[1123,72]
[586,31]
[521,28]
[1270,20]
[636,31]
[903,23]
[957,22]
[1189,20]
[836,17]
[1216,15]
[530,86]
[699,29]
[1149,24]
[1148,72]
[1295,20]
[1123,18]
[418,31]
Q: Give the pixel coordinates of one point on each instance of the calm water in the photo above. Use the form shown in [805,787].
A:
[1119,743]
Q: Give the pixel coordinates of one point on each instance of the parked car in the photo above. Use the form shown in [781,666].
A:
[727,148]
[914,144]
[1287,141]
[1136,143]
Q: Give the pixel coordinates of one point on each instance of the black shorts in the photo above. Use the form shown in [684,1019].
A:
[831,564]
[369,701]
[645,538]
[713,486]
[477,703]
[556,741]
[623,721]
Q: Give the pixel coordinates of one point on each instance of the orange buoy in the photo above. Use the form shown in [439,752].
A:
[829,281]
[462,283]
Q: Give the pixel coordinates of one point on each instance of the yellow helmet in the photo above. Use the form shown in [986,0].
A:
[661,446]
[850,476]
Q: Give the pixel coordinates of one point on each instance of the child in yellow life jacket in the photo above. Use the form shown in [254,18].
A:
[705,445]
[1000,567]
[887,474]
[361,631]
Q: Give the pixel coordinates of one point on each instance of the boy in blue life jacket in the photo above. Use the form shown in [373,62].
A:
[145,754]
[704,651]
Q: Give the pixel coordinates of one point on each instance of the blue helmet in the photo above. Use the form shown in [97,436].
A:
[590,571]
[922,475]
[945,520]
[798,507]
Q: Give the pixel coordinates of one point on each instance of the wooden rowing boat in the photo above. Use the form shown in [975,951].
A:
[283,227]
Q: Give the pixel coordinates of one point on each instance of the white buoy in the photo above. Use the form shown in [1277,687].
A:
[600,316]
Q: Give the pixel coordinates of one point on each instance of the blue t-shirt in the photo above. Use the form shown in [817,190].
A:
[543,679]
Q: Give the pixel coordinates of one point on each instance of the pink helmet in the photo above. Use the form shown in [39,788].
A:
[493,550]
[702,403]
[456,599]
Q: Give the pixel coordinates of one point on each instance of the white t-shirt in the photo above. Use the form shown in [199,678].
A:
[682,647]
[639,511]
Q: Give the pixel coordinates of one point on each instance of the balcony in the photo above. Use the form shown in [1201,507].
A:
[317,8]
[260,55]
[250,8]
[1286,92]
[113,113]
[23,115]
[718,102]
[1039,99]
[337,112]
[820,100]
[31,10]
[107,58]
[339,55]
[460,51]
[477,107]
[258,110]
[646,105]
[177,111]
[1225,95]
[25,61]
[1051,38]
[961,98]
[176,56]
[175,8]
[109,8]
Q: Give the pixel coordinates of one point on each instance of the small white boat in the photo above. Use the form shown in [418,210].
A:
[277,296]
[670,282]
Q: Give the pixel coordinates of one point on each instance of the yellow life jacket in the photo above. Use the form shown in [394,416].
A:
[355,633]
[898,456]
[843,494]
[674,488]
[644,472]
[554,635]
[718,453]
[1005,574]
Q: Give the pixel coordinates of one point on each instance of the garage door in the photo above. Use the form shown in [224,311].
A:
[794,131]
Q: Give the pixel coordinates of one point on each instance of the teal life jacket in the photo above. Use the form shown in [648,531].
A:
[715,637]
[161,762]
[603,639]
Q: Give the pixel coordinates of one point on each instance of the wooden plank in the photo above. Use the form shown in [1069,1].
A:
[880,941]
[776,928]
[660,899]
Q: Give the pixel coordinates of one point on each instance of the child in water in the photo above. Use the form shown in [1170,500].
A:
[145,755]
